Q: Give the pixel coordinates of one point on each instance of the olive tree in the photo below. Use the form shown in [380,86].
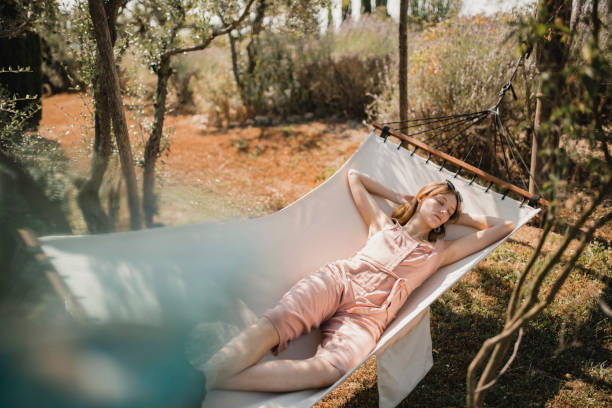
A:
[164,30]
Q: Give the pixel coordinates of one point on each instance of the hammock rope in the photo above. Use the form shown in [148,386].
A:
[432,131]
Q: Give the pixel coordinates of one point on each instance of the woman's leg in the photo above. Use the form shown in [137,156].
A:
[284,376]
[241,352]
[309,302]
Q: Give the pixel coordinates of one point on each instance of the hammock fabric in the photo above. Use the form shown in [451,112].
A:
[231,272]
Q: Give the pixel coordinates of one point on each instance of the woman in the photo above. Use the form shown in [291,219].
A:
[353,300]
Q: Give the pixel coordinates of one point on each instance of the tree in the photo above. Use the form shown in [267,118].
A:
[403,60]
[551,57]
[110,77]
[265,65]
[578,113]
[20,47]
[161,42]
[88,196]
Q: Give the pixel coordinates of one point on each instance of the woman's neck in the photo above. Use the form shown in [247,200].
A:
[417,228]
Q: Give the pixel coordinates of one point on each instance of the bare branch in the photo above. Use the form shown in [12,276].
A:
[17,30]
[605,308]
[571,233]
[214,34]
[514,299]
[508,363]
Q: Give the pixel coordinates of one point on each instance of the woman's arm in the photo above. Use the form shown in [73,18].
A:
[491,229]
[379,189]
[362,188]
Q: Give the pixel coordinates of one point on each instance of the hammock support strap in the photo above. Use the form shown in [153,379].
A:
[32,246]
[534,199]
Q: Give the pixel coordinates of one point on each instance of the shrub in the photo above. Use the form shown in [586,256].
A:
[345,86]
[334,74]
[456,66]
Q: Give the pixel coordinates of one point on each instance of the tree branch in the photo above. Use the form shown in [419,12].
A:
[557,256]
[214,34]
[17,30]
[508,363]
[514,299]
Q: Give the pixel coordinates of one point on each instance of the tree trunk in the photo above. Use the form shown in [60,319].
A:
[149,204]
[536,140]
[403,61]
[236,70]
[111,80]
[551,57]
[89,192]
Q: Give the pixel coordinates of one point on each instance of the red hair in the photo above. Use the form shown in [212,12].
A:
[404,212]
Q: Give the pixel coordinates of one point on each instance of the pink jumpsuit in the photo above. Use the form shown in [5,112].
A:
[353,300]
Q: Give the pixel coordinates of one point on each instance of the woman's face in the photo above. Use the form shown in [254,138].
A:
[437,209]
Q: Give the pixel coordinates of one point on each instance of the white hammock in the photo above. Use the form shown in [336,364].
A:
[234,271]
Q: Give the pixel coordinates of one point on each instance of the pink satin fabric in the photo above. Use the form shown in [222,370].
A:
[353,300]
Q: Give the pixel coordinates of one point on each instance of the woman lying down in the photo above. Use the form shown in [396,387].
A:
[353,300]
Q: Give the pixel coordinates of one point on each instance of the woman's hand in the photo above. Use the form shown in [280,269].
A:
[363,187]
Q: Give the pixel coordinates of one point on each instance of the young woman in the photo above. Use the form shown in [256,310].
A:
[354,300]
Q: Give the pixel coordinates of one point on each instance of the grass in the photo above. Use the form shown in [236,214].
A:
[564,357]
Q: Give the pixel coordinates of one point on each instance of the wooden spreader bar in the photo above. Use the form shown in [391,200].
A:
[31,242]
[533,198]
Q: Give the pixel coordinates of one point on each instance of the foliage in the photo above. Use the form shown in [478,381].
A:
[432,11]
[582,116]
[579,113]
[339,85]
[13,119]
[296,73]
[17,16]
[30,167]
[456,66]
[60,66]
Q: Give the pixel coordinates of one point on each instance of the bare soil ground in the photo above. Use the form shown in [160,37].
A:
[252,170]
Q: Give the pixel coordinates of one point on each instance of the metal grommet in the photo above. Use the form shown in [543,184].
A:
[533,201]
[385,133]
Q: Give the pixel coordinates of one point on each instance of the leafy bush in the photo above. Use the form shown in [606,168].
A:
[345,86]
[334,74]
[456,66]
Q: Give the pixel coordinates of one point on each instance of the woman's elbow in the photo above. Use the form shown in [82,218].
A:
[353,175]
